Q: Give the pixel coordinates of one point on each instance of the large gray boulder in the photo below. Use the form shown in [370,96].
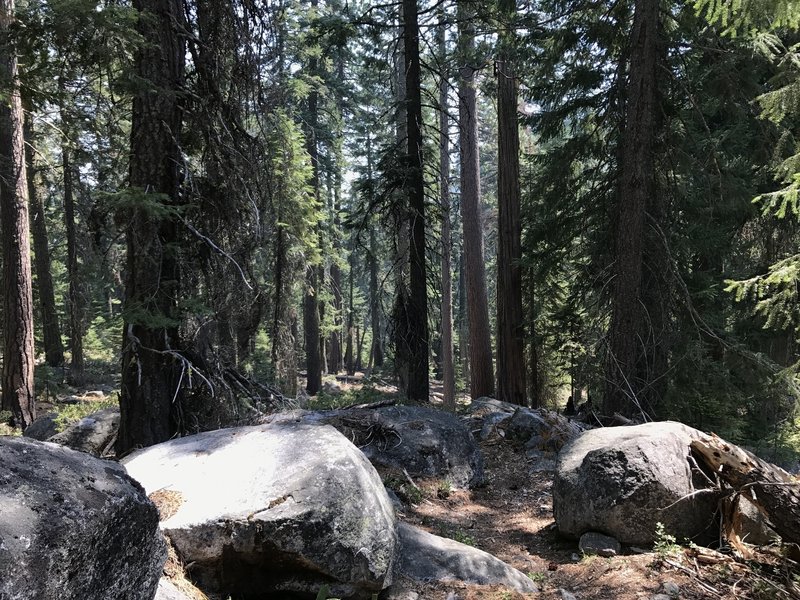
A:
[93,434]
[426,557]
[622,481]
[273,509]
[73,527]
[426,442]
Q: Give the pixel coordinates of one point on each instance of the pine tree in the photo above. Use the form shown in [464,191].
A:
[17,389]
[480,349]
[510,320]
[152,368]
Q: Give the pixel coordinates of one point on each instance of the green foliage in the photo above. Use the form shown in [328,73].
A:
[456,534]
[666,545]
[404,490]
[748,16]
[68,414]
[538,577]
[364,394]
[775,294]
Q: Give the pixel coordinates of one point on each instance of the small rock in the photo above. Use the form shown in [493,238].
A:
[575,557]
[43,427]
[491,422]
[671,588]
[597,543]
[525,424]
[92,434]
[565,595]
[660,597]
[168,591]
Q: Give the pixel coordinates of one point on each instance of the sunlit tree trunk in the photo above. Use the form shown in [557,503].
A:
[18,355]
[74,294]
[480,343]
[510,318]
[51,331]
[448,371]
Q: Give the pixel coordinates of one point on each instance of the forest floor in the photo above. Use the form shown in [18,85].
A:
[511,517]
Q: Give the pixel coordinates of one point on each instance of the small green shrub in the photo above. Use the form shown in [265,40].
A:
[666,545]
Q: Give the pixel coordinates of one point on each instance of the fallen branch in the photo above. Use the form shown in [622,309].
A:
[771,489]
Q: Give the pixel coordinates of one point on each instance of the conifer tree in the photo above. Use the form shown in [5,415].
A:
[152,368]
[18,358]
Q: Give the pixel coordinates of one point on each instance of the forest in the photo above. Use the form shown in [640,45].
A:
[220,205]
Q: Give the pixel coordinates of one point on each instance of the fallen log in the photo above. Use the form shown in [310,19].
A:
[772,490]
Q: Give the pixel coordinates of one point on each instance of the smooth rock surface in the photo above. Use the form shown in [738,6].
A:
[277,508]
[623,480]
[92,434]
[167,591]
[426,557]
[73,527]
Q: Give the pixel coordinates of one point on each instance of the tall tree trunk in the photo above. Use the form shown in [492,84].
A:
[637,184]
[74,294]
[400,318]
[53,347]
[151,369]
[510,318]
[417,313]
[18,355]
[335,358]
[448,371]
[462,319]
[534,385]
[311,308]
[349,359]
[376,352]
[311,330]
[480,342]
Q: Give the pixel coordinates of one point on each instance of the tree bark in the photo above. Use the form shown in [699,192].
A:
[311,314]
[152,370]
[51,332]
[417,327]
[774,491]
[448,371]
[18,354]
[376,352]
[349,358]
[462,319]
[510,318]
[637,182]
[74,294]
[480,344]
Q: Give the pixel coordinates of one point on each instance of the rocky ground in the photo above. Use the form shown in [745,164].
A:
[511,517]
